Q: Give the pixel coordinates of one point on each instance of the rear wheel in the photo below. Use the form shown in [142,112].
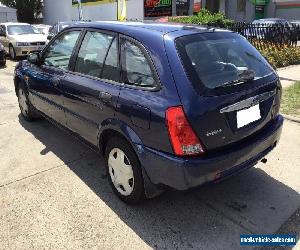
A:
[124,171]
[26,108]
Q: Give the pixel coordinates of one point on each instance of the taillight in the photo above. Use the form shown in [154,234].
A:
[182,136]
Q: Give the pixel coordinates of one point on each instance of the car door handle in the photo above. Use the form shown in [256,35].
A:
[105,97]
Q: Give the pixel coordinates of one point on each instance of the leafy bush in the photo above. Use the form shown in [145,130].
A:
[281,56]
[204,17]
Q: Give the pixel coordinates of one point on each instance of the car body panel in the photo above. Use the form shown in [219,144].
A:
[44,94]
[185,173]
[85,110]
[138,114]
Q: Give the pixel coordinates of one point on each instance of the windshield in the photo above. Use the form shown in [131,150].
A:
[220,58]
[21,30]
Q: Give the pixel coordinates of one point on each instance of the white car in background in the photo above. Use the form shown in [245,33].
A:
[43,28]
[20,39]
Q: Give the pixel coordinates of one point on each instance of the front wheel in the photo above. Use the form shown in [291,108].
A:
[26,108]
[12,52]
[124,171]
[3,63]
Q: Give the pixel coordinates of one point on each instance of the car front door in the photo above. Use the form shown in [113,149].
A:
[92,89]
[46,79]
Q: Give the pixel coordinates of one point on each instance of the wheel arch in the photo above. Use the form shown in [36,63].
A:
[18,80]
[116,128]
[113,127]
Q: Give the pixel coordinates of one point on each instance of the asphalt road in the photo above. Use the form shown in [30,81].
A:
[54,194]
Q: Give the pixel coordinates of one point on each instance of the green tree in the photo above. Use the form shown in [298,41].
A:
[27,10]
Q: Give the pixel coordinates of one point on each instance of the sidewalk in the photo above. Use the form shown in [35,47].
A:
[289,75]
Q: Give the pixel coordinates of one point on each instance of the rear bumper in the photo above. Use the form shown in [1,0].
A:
[182,174]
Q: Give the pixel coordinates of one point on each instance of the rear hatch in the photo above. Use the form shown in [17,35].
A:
[235,91]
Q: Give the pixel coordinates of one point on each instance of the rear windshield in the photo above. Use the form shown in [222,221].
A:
[220,58]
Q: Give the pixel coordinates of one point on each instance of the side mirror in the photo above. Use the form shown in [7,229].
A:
[34,58]
[49,37]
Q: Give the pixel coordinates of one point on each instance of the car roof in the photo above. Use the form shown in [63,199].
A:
[69,22]
[151,27]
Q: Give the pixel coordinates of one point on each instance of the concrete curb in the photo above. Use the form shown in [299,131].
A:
[287,67]
[291,118]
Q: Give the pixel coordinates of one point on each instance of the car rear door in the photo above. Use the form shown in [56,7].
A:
[46,80]
[92,89]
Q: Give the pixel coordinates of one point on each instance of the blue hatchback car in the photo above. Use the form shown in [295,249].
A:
[169,106]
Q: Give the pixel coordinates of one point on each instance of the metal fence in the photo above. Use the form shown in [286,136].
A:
[264,35]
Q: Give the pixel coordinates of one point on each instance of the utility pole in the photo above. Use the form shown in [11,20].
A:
[80,15]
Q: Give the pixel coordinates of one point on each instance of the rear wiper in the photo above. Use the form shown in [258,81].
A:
[243,77]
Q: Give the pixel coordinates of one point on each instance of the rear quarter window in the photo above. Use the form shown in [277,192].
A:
[136,67]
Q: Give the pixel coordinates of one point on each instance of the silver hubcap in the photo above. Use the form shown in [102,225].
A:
[23,102]
[120,171]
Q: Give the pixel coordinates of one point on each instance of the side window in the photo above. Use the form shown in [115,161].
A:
[111,67]
[59,53]
[135,66]
[92,53]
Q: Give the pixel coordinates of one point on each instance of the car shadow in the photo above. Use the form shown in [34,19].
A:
[209,217]
[288,79]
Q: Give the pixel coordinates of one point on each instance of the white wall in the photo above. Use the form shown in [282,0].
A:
[135,9]
[57,10]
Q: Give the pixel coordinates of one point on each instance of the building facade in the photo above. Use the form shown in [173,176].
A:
[67,10]
[7,14]
[239,10]
[248,10]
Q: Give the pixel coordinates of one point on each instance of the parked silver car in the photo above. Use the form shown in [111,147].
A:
[20,39]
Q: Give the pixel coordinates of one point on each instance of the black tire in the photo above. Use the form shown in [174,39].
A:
[12,52]
[29,114]
[3,63]
[138,193]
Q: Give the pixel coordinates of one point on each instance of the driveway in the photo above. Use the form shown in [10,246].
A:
[54,194]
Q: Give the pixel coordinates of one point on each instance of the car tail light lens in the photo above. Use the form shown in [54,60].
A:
[183,138]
